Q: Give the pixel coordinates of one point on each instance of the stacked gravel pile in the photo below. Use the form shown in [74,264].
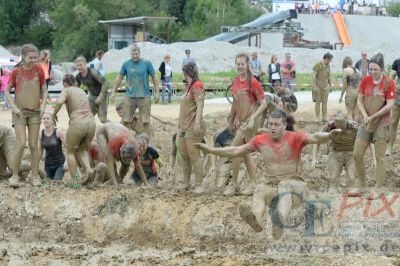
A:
[373,34]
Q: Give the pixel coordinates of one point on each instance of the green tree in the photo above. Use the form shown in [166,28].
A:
[394,9]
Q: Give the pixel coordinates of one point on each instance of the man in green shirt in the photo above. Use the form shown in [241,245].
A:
[321,85]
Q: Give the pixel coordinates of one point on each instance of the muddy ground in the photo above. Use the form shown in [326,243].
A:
[61,223]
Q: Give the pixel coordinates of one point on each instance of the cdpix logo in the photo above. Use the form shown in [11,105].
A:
[373,206]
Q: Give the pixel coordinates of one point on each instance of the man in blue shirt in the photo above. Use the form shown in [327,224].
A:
[137,72]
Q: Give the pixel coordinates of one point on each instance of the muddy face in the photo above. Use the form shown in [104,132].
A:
[135,55]
[276,127]
[241,65]
[375,71]
[31,58]
[120,113]
[81,66]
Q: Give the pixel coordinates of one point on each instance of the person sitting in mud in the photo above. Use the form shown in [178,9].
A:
[351,80]
[149,159]
[281,152]
[97,86]
[8,142]
[116,144]
[340,152]
[82,126]
[289,100]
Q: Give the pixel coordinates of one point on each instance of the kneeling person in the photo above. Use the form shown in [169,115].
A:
[116,144]
[149,157]
[281,151]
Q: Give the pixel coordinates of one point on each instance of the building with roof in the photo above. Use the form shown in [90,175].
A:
[124,32]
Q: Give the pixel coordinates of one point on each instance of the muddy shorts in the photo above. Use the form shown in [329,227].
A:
[190,134]
[248,133]
[351,99]
[319,95]
[30,118]
[100,109]
[380,135]
[130,106]
[80,135]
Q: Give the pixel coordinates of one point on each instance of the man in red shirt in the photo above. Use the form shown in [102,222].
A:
[281,151]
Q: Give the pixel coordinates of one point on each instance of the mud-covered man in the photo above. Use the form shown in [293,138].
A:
[137,72]
[321,85]
[281,152]
[116,144]
[97,87]
[340,152]
[289,100]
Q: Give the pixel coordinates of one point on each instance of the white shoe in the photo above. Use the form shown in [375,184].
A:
[230,190]
[248,191]
[198,189]
[14,181]
[249,217]
[35,180]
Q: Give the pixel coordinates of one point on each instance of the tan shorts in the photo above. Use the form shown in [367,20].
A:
[30,118]
[100,109]
[80,135]
[190,134]
[380,135]
[351,99]
[130,106]
[318,95]
[248,133]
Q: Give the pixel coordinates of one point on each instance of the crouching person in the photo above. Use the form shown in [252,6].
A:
[283,187]
[149,159]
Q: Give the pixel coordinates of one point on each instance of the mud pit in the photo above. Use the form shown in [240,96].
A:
[63,224]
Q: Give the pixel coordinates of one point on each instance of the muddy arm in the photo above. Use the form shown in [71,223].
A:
[139,170]
[231,151]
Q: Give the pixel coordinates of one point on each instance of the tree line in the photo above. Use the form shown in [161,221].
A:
[70,27]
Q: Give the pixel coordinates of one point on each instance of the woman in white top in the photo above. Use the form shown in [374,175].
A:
[274,70]
[166,78]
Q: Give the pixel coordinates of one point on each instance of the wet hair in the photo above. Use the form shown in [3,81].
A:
[69,79]
[99,53]
[135,47]
[27,48]
[378,59]
[340,117]
[80,58]
[290,121]
[279,113]
[272,58]
[347,61]
[190,69]
[249,74]
[143,137]
[128,151]
[327,56]
[119,107]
